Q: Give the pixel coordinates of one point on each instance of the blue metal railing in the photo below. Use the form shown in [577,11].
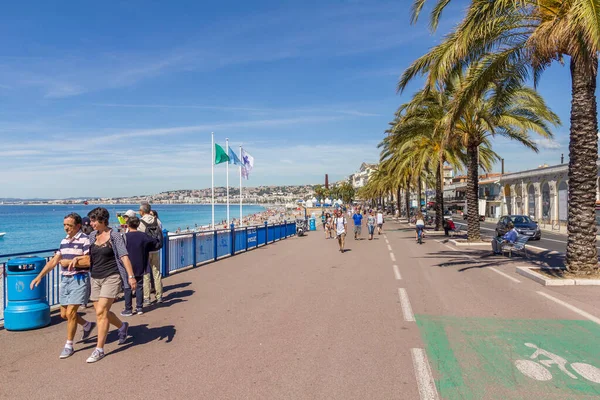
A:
[180,251]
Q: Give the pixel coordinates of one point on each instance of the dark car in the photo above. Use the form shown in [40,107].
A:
[523,224]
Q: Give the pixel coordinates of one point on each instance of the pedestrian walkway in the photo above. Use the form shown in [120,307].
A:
[387,319]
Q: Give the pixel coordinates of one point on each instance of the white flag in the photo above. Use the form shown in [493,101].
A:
[248,164]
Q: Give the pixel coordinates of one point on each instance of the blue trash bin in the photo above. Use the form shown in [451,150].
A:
[312,224]
[25,308]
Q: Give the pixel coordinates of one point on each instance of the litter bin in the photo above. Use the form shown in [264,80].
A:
[26,308]
[312,224]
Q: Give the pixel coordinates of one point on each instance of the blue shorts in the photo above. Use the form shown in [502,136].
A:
[74,290]
[371,229]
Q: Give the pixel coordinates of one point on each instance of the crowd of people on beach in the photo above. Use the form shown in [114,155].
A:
[335,223]
[271,216]
[98,263]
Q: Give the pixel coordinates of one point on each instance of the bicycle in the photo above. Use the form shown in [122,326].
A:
[534,370]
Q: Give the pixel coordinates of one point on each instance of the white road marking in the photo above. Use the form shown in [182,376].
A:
[397,272]
[405,304]
[387,241]
[389,247]
[393,257]
[571,307]
[533,370]
[425,382]
[504,275]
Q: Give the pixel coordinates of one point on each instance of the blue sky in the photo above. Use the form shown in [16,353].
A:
[119,98]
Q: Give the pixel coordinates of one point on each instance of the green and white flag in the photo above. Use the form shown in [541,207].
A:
[220,155]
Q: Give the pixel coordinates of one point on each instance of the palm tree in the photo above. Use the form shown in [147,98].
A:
[524,37]
[346,192]
[501,110]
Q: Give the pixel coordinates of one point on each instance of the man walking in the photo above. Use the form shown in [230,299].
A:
[379,221]
[139,245]
[357,217]
[150,226]
[73,257]
[340,225]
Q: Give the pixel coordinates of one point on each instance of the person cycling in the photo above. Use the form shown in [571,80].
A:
[420,225]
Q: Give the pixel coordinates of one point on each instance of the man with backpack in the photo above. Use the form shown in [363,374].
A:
[139,245]
[149,225]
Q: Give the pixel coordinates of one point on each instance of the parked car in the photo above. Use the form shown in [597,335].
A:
[523,224]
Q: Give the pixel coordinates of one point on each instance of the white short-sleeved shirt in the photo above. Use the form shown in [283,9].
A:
[340,225]
[379,218]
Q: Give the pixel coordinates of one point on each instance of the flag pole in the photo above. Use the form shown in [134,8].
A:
[241,215]
[212,166]
[227,169]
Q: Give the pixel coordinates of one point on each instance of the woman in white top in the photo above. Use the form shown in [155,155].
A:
[420,225]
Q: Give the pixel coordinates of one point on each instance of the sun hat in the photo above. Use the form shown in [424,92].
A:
[130,213]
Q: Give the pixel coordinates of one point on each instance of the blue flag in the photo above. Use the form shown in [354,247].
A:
[233,159]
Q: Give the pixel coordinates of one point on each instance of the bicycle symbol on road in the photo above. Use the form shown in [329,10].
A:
[534,370]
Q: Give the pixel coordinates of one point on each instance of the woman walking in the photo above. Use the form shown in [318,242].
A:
[108,256]
[371,221]
[420,226]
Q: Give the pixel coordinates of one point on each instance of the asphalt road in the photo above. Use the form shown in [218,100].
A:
[387,319]
[549,241]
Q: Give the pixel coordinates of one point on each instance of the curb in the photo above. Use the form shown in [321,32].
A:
[467,244]
[541,279]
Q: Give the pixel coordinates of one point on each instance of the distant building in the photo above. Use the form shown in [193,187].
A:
[448,174]
[361,177]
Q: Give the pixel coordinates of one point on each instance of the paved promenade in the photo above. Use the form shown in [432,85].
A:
[388,319]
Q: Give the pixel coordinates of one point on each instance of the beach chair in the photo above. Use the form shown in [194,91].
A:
[518,245]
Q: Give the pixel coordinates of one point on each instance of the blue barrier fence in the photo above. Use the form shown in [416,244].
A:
[185,250]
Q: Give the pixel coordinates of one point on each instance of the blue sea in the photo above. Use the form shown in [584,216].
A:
[33,228]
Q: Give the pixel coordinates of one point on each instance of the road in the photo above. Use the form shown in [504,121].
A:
[549,241]
[388,319]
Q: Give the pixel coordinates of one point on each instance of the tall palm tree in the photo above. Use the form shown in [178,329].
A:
[525,37]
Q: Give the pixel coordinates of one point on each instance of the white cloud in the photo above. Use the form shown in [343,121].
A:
[547,144]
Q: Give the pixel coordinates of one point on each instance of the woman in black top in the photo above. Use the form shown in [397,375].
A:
[108,256]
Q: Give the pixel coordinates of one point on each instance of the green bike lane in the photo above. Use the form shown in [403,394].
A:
[490,333]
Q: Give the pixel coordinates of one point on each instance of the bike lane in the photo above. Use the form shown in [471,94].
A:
[488,336]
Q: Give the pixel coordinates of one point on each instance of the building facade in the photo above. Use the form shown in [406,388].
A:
[361,177]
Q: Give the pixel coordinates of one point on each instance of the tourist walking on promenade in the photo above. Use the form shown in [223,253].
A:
[329,226]
[149,225]
[108,255]
[371,221]
[160,225]
[340,225]
[379,221]
[357,217]
[73,257]
[139,245]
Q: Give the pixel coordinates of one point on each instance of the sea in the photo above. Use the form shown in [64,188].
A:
[39,227]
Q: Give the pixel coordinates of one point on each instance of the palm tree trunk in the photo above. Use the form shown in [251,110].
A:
[407,199]
[419,191]
[398,200]
[582,255]
[473,230]
[439,198]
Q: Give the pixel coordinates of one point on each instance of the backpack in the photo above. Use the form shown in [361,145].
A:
[153,230]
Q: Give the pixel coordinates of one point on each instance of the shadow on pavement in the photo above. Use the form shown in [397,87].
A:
[485,258]
[176,286]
